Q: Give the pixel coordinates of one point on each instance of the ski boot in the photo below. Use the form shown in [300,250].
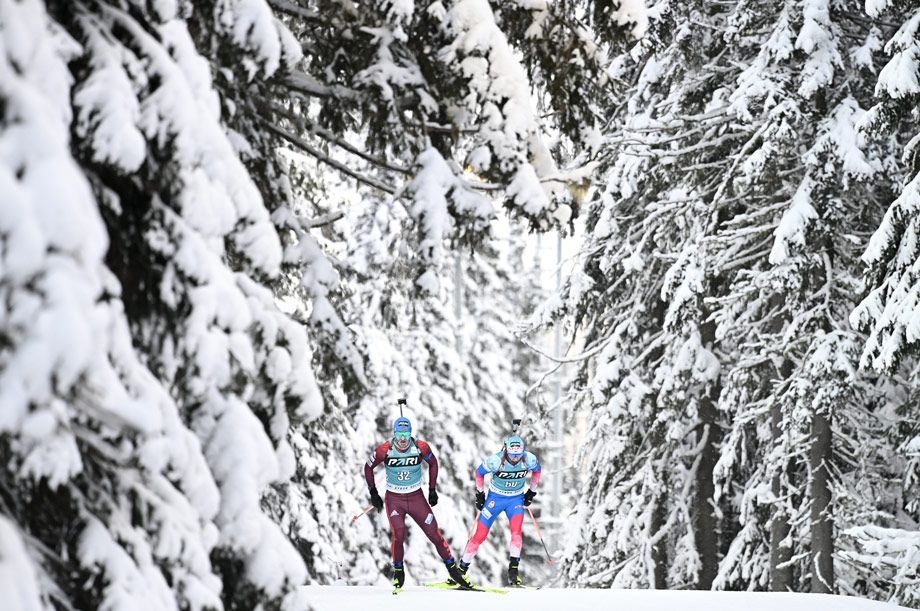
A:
[514,579]
[458,576]
[399,577]
[463,568]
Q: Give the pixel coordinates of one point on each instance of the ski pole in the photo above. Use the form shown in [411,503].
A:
[472,530]
[363,513]
[539,534]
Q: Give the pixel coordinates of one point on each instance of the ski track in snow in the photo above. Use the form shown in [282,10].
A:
[379,598]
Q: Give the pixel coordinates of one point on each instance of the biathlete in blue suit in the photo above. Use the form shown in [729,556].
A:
[507,494]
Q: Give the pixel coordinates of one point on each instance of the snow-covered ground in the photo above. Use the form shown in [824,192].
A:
[379,598]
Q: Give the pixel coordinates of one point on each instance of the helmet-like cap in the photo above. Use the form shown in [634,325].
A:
[402,425]
[514,446]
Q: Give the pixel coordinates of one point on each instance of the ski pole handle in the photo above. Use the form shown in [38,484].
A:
[363,513]
[540,535]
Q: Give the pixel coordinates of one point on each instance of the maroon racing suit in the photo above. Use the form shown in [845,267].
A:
[399,505]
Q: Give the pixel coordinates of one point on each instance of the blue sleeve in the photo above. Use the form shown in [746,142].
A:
[490,464]
[532,462]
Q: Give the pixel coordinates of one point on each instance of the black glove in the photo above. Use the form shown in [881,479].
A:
[376,501]
[432,497]
[480,500]
[528,497]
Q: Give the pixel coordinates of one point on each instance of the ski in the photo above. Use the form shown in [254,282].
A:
[450,586]
[522,587]
[396,590]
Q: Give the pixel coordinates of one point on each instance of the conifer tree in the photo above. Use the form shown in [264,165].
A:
[887,312]
[165,415]
[714,293]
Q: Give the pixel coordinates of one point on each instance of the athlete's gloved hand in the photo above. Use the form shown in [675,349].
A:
[432,497]
[528,497]
[480,500]
[376,501]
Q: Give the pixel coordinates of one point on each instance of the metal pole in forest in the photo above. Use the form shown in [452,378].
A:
[458,300]
[558,419]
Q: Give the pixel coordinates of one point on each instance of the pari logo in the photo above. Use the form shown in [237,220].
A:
[511,475]
[403,461]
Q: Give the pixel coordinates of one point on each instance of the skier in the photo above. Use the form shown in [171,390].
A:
[403,456]
[506,494]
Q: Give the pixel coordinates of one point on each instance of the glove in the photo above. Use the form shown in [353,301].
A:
[528,497]
[432,497]
[480,500]
[376,501]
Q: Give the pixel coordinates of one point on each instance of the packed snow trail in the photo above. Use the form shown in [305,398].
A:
[379,598]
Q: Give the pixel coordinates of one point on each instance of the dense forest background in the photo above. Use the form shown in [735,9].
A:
[233,232]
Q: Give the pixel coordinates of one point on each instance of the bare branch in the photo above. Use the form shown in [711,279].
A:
[319,156]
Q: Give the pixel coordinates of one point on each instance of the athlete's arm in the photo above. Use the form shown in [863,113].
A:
[485,467]
[429,457]
[535,470]
[379,453]
[534,479]
[481,478]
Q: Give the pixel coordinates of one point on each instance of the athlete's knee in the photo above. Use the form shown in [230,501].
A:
[482,531]
[517,536]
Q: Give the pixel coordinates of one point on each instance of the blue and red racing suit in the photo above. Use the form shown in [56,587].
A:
[506,495]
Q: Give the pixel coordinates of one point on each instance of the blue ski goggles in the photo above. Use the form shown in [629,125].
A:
[515,451]
[402,438]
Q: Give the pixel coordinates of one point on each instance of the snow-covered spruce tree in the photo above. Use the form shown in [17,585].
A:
[648,375]
[240,45]
[163,384]
[805,432]
[696,250]
[103,487]
[888,312]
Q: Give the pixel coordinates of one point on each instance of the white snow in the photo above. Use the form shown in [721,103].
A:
[361,598]
[632,12]
[816,38]
[18,580]
[438,194]
[790,233]
[899,76]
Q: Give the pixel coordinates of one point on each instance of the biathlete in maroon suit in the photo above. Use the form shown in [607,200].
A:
[402,458]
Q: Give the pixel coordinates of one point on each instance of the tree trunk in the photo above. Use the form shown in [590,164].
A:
[659,549]
[822,524]
[705,531]
[780,547]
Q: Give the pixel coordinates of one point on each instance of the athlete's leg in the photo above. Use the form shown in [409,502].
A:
[490,512]
[421,512]
[482,531]
[395,507]
[517,537]
[515,513]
